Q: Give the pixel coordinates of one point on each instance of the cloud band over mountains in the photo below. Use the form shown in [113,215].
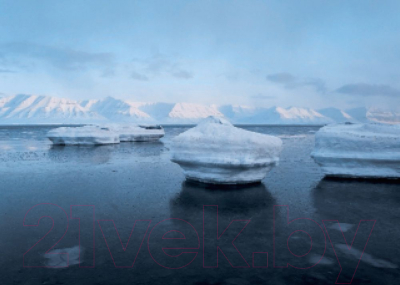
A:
[363,89]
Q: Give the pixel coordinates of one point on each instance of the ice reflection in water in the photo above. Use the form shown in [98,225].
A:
[252,202]
[352,200]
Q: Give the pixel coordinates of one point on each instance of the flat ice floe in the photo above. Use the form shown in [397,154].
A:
[64,257]
[87,135]
[358,150]
[135,133]
[217,152]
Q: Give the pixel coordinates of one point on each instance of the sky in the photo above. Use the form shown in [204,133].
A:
[308,53]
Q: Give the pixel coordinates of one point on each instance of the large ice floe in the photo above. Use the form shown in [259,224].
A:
[137,133]
[358,150]
[87,135]
[217,152]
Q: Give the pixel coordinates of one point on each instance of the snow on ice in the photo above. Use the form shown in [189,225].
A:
[358,150]
[217,152]
[135,133]
[87,135]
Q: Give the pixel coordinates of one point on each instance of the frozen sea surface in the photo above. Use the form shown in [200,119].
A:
[137,181]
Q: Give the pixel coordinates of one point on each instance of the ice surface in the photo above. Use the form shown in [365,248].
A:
[320,259]
[131,133]
[87,135]
[343,227]
[64,257]
[358,150]
[367,258]
[217,152]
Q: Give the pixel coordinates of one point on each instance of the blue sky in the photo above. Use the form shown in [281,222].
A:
[310,53]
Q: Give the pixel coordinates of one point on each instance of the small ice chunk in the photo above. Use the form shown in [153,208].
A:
[367,258]
[64,257]
[322,260]
[217,152]
[343,227]
[358,150]
[87,135]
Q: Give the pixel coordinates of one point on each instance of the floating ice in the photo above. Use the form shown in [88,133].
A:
[320,259]
[135,133]
[65,257]
[343,227]
[87,135]
[367,258]
[358,150]
[217,152]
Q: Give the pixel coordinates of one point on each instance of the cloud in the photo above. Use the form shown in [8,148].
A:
[158,65]
[284,78]
[183,74]
[6,71]
[262,97]
[108,72]
[137,76]
[60,58]
[317,83]
[363,89]
[290,81]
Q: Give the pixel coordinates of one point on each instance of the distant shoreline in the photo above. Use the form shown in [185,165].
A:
[164,125]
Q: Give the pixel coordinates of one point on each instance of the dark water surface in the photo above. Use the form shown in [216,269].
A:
[136,181]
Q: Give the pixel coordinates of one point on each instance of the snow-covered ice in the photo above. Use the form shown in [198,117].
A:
[136,133]
[87,135]
[358,150]
[217,152]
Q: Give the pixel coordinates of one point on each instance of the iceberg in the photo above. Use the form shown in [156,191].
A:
[87,135]
[358,150]
[137,133]
[217,152]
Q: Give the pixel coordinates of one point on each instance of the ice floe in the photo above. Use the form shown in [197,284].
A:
[358,150]
[343,227]
[87,135]
[365,257]
[217,152]
[137,133]
[320,259]
[65,257]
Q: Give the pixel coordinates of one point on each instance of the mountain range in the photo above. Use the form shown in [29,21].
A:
[33,109]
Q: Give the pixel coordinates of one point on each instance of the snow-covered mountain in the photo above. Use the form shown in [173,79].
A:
[178,113]
[337,115]
[383,116]
[41,109]
[274,115]
[116,110]
[32,109]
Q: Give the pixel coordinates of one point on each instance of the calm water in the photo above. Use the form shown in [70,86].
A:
[136,181]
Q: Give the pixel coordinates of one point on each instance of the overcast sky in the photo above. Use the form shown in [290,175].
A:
[310,53]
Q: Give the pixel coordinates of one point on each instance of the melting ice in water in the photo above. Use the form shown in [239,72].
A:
[343,227]
[322,260]
[367,258]
[58,260]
